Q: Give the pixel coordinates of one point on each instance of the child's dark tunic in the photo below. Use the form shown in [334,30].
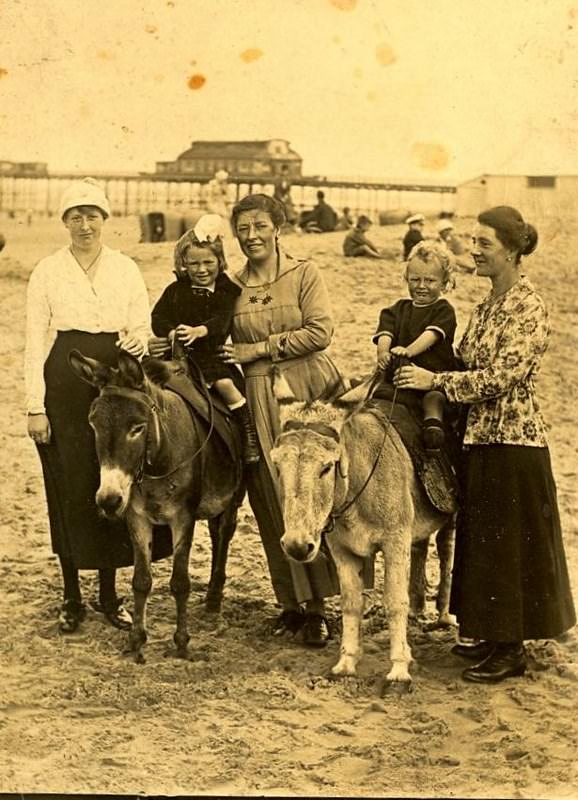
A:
[404,322]
[184,304]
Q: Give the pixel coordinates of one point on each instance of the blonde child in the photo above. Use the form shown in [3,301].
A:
[422,328]
[196,310]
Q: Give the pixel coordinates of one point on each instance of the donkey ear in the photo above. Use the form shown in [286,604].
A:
[90,370]
[359,391]
[281,389]
[130,370]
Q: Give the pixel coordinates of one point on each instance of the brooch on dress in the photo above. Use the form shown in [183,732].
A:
[265,300]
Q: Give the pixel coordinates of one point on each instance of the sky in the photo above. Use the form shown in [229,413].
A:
[439,90]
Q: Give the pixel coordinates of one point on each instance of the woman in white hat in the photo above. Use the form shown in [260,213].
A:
[91,298]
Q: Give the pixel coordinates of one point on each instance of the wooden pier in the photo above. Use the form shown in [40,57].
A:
[138,193]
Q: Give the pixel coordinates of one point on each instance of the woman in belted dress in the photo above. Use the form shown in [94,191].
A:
[282,317]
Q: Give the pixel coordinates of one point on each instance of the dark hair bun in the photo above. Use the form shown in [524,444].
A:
[531,240]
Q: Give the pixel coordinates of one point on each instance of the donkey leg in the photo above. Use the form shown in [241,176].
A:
[180,580]
[417,579]
[350,573]
[222,529]
[142,535]
[445,547]
[397,556]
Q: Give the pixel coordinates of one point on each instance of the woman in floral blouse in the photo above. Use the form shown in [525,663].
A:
[510,580]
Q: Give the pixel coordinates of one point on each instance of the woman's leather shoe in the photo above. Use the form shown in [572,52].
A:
[71,615]
[316,630]
[289,621]
[477,651]
[507,660]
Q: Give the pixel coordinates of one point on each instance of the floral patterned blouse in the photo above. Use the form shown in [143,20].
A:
[501,350]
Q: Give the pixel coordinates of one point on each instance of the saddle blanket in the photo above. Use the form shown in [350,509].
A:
[217,414]
[436,471]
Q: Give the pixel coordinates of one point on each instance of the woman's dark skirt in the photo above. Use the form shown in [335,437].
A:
[70,466]
[510,580]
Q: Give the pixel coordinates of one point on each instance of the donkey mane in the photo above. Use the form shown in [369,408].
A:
[313,412]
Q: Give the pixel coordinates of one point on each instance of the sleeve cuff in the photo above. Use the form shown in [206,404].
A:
[277,344]
[438,382]
[376,337]
[437,330]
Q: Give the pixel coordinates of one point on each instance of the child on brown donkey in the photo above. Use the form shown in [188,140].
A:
[196,311]
[421,328]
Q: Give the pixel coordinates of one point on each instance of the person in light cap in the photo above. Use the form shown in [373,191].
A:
[90,298]
[414,234]
[454,245]
[196,311]
[217,194]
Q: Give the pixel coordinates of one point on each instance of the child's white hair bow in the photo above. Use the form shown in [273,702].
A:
[209,228]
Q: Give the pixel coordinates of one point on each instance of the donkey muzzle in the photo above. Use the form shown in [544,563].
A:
[301,549]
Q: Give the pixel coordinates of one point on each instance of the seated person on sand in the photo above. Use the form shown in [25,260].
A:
[356,242]
[321,219]
[197,311]
[346,222]
[455,245]
[421,328]
[414,233]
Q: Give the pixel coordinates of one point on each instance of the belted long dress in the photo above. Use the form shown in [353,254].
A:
[292,313]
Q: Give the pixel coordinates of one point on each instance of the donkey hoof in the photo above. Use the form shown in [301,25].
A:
[396,688]
[139,658]
[213,605]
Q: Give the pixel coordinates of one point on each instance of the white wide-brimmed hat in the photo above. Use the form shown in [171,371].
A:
[86,192]
[415,218]
[221,174]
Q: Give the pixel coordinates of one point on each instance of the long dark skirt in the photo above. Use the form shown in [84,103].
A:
[510,580]
[70,466]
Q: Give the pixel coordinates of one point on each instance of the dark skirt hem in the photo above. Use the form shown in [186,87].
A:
[510,579]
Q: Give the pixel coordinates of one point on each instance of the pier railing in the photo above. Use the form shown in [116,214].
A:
[140,193]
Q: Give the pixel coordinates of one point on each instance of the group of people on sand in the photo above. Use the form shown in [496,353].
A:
[510,581]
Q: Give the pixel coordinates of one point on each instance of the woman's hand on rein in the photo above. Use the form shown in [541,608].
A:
[132,345]
[159,346]
[412,377]
[39,428]
[241,353]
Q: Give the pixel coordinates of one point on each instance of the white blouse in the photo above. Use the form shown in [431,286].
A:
[61,297]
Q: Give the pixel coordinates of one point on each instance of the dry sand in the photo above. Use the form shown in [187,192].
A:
[250,714]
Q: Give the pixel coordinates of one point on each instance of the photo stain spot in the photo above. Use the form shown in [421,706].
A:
[105,55]
[430,155]
[3,72]
[196,81]
[344,5]
[251,54]
[151,28]
[372,97]
[385,55]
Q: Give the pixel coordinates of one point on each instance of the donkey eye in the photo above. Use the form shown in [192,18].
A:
[325,470]
[136,430]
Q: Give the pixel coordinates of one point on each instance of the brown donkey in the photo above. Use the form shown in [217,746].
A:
[160,465]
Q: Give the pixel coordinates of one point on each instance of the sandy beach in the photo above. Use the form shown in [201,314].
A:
[250,714]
